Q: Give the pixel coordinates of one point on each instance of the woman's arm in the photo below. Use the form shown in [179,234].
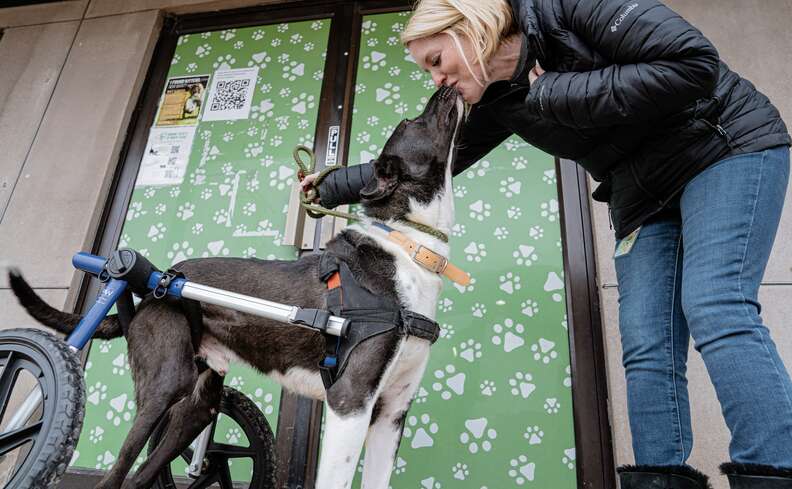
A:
[660,64]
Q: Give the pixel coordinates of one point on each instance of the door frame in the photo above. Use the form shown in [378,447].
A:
[299,418]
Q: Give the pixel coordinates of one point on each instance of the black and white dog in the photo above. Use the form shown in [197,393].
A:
[369,402]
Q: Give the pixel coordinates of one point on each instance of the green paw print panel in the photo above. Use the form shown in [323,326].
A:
[231,202]
[494,410]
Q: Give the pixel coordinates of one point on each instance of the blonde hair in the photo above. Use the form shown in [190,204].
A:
[484,22]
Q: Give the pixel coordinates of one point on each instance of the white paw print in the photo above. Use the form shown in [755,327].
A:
[306,140]
[514,212]
[521,470]
[105,460]
[197,228]
[120,364]
[460,191]
[447,331]
[308,46]
[501,233]
[228,34]
[549,177]
[282,122]
[520,163]
[203,50]
[430,483]
[460,471]
[388,94]
[363,137]
[399,466]
[421,396]
[192,67]
[421,431]
[261,60]
[233,435]
[97,393]
[394,71]
[258,34]
[121,407]
[224,62]
[368,27]
[397,27]
[525,255]
[446,305]
[477,435]
[275,42]
[303,124]
[522,384]
[283,27]
[276,141]
[534,435]
[282,177]
[220,216]
[416,75]
[316,25]
[470,350]
[198,177]
[249,209]
[135,210]
[374,62]
[296,38]
[237,382]
[216,248]
[475,251]
[360,88]
[550,210]
[206,194]
[228,136]
[479,170]
[569,458]
[458,230]
[529,307]
[249,252]
[510,187]
[265,404]
[568,379]
[180,252]
[544,351]
[252,150]
[480,210]
[509,283]
[551,405]
[302,103]
[239,45]
[536,232]
[392,41]
[176,59]
[478,310]
[487,388]
[293,70]
[157,232]
[96,435]
[318,75]
[174,192]
[104,346]
[372,42]
[449,382]
[401,108]
[150,192]
[509,335]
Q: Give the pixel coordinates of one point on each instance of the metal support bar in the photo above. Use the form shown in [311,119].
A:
[201,443]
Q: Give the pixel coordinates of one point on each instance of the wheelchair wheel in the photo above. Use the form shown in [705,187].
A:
[37,452]
[242,446]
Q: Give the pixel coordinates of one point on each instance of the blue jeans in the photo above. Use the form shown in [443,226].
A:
[694,271]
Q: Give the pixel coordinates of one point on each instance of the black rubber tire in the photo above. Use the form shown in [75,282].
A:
[62,381]
[246,414]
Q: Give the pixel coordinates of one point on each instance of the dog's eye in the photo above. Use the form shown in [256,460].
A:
[436,60]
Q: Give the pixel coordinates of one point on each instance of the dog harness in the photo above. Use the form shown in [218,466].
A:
[369,314]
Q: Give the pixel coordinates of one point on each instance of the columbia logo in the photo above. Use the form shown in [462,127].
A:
[620,19]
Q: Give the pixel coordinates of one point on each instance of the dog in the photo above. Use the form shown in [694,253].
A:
[369,402]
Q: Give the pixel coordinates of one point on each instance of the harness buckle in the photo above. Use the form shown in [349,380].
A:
[438,268]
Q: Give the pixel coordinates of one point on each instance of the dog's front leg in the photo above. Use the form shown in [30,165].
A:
[385,431]
[341,445]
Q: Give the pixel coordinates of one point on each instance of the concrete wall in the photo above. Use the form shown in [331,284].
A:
[72,71]
[755,39]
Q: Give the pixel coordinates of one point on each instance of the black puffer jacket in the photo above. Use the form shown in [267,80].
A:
[632,92]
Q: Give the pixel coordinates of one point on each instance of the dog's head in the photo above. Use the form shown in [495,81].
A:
[412,175]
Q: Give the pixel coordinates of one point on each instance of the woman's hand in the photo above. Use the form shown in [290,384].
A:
[307,184]
[535,73]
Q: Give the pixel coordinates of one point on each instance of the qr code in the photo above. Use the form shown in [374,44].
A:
[230,95]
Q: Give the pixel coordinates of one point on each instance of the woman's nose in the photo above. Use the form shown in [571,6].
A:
[439,79]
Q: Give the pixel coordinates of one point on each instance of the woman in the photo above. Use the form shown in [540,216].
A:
[693,162]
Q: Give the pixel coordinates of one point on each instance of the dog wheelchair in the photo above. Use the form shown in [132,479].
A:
[44,429]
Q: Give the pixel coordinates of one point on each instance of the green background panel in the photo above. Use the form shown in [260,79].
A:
[232,202]
[494,409]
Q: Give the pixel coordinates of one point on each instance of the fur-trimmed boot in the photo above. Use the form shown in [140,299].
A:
[662,477]
[753,476]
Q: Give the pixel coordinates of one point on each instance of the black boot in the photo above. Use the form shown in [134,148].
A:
[662,477]
[752,476]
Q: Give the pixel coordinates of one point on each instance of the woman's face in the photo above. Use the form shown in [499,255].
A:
[439,55]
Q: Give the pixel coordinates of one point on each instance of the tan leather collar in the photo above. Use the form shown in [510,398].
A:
[434,262]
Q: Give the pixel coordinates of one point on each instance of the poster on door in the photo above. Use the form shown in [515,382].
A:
[182,101]
[166,156]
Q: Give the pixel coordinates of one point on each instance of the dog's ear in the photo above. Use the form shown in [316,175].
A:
[387,170]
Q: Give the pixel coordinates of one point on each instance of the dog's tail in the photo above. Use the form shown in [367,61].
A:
[62,322]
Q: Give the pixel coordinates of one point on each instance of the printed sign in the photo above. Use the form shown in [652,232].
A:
[231,94]
[166,156]
[182,101]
